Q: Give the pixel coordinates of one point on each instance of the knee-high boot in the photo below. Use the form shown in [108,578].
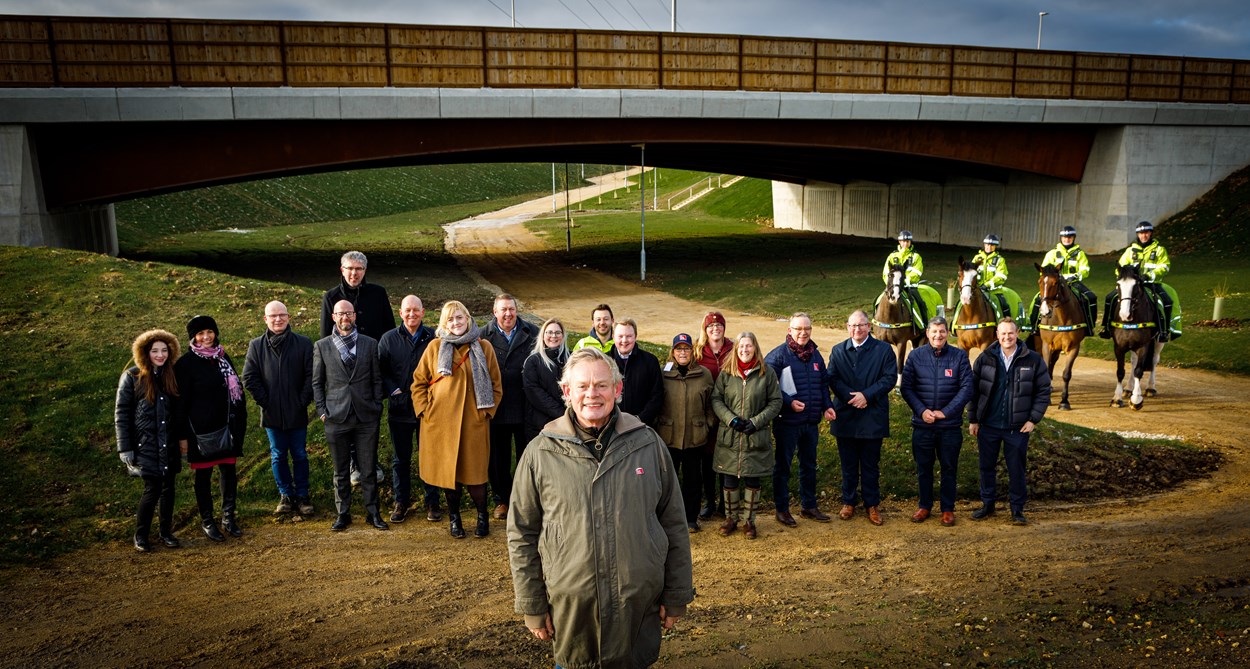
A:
[750,499]
[733,498]
[453,513]
[229,493]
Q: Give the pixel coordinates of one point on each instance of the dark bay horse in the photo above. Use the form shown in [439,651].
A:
[1060,324]
[892,322]
[1134,327]
[975,325]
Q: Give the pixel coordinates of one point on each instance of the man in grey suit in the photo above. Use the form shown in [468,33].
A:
[347,389]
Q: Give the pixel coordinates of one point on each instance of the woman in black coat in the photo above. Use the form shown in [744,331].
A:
[144,417]
[212,400]
[540,377]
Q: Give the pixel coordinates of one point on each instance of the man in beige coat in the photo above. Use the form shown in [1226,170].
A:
[597,534]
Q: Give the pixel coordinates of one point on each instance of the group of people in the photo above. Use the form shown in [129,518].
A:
[618,455]
[1146,255]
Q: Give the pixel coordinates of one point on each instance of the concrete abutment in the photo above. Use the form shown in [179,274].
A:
[24,217]
[1133,173]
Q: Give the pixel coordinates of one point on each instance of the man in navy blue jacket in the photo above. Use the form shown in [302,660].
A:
[862,372]
[804,402]
[937,385]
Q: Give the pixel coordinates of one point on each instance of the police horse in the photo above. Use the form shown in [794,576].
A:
[975,325]
[892,321]
[1134,328]
[1060,324]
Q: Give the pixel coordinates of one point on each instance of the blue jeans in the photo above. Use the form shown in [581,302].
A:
[402,437]
[941,445]
[294,443]
[861,464]
[791,438]
[1014,446]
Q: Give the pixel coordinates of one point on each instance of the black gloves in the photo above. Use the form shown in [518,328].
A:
[743,425]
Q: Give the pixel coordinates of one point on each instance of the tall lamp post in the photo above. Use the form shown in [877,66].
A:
[1039,28]
[642,191]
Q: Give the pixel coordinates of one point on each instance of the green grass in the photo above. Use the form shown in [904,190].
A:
[311,198]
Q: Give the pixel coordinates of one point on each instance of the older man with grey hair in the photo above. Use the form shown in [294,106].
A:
[374,316]
[603,587]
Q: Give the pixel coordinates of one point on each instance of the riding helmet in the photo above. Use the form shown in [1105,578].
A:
[1145,226]
[991,239]
[904,235]
[1067,231]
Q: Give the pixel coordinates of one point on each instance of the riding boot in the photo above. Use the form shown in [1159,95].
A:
[750,499]
[1035,314]
[732,499]
[1105,333]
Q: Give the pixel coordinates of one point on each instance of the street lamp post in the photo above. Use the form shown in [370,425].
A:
[1039,28]
[642,191]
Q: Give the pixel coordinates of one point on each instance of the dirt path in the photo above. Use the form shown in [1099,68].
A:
[1128,583]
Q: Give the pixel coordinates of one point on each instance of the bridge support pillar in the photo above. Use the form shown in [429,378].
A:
[24,216]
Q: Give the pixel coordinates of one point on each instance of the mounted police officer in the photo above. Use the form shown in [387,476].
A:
[1153,264]
[923,298]
[992,272]
[1073,265]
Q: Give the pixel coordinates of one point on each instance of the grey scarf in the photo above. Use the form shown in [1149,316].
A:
[483,388]
[346,344]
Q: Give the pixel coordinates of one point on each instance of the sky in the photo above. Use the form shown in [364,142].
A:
[1203,28]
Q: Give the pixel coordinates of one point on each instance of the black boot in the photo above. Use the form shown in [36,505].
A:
[457,530]
[483,525]
[210,529]
[228,522]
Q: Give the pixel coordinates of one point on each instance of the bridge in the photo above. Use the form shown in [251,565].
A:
[859,137]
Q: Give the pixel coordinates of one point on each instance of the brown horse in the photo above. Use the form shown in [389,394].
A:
[1135,330]
[1060,323]
[892,322]
[975,325]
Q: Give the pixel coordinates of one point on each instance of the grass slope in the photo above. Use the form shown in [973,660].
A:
[351,194]
[63,487]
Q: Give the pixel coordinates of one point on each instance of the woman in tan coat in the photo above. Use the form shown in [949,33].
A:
[455,390]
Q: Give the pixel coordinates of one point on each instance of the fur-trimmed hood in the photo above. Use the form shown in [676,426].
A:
[145,340]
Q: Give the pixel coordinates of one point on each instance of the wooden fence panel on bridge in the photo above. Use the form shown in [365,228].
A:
[41,51]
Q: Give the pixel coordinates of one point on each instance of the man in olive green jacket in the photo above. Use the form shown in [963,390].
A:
[602,579]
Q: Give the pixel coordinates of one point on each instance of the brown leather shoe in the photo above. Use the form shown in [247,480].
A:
[847,512]
[948,518]
[920,516]
[873,516]
[815,514]
[784,517]
[501,512]
[748,529]
[728,527]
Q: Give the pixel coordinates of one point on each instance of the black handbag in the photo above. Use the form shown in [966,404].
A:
[217,444]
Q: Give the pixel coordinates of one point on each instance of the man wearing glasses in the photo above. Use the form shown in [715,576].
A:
[862,371]
[278,374]
[347,389]
[374,316]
